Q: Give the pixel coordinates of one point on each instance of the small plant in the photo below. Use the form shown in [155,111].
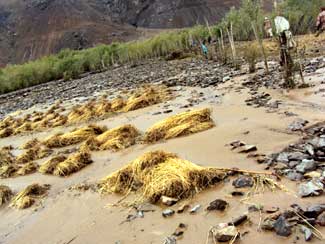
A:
[251,54]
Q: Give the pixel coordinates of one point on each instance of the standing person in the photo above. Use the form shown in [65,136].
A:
[287,43]
[268,27]
[320,23]
[204,49]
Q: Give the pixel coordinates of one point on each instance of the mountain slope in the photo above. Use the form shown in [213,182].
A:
[32,28]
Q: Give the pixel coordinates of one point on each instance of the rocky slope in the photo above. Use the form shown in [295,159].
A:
[32,28]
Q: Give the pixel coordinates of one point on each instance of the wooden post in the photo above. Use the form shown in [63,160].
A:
[260,43]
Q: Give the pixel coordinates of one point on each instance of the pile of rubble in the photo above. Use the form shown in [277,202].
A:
[304,161]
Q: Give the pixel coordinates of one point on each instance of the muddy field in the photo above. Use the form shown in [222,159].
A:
[249,108]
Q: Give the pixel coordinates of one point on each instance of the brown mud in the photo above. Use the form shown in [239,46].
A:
[80,217]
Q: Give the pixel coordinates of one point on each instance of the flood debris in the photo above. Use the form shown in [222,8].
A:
[27,197]
[239,220]
[157,174]
[180,125]
[242,147]
[37,152]
[183,208]
[5,195]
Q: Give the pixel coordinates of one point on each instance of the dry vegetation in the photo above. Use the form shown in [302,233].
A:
[180,125]
[115,139]
[157,174]
[27,197]
[5,194]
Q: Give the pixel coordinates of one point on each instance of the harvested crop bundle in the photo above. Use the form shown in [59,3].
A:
[73,163]
[7,171]
[6,122]
[30,144]
[6,157]
[180,125]
[34,153]
[59,121]
[117,104]
[5,194]
[73,137]
[49,166]
[102,108]
[115,139]
[157,174]
[29,195]
[6,132]
[25,127]
[27,169]
[147,97]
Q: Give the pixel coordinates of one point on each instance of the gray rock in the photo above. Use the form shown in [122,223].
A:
[243,181]
[282,227]
[308,233]
[311,188]
[170,240]
[218,204]
[298,124]
[310,149]
[297,156]
[294,175]
[268,224]
[321,219]
[226,234]
[167,213]
[195,209]
[306,165]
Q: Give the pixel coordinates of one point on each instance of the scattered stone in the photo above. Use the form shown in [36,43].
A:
[310,149]
[195,209]
[268,224]
[168,201]
[313,174]
[272,210]
[238,221]
[237,193]
[226,234]
[170,240]
[294,175]
[298,124]
[218,204]
[321,219]
[247,149]
[183,208]
[311,188]
[243,181]
[180,230]
[254,208]
[308,233]
[306,166]
[282,227]
[168,213]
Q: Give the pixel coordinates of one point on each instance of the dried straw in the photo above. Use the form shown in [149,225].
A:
[157,174]
[29,195]
[30,144]
[34,153]
[73,163]
[5,194]
[115,139]
[73,137]
[50,165]
[27,169]
[180,125]
[146,97]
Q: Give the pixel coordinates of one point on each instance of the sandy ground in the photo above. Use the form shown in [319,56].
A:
[67,216]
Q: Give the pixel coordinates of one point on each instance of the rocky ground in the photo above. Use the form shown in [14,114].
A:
[260,127]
